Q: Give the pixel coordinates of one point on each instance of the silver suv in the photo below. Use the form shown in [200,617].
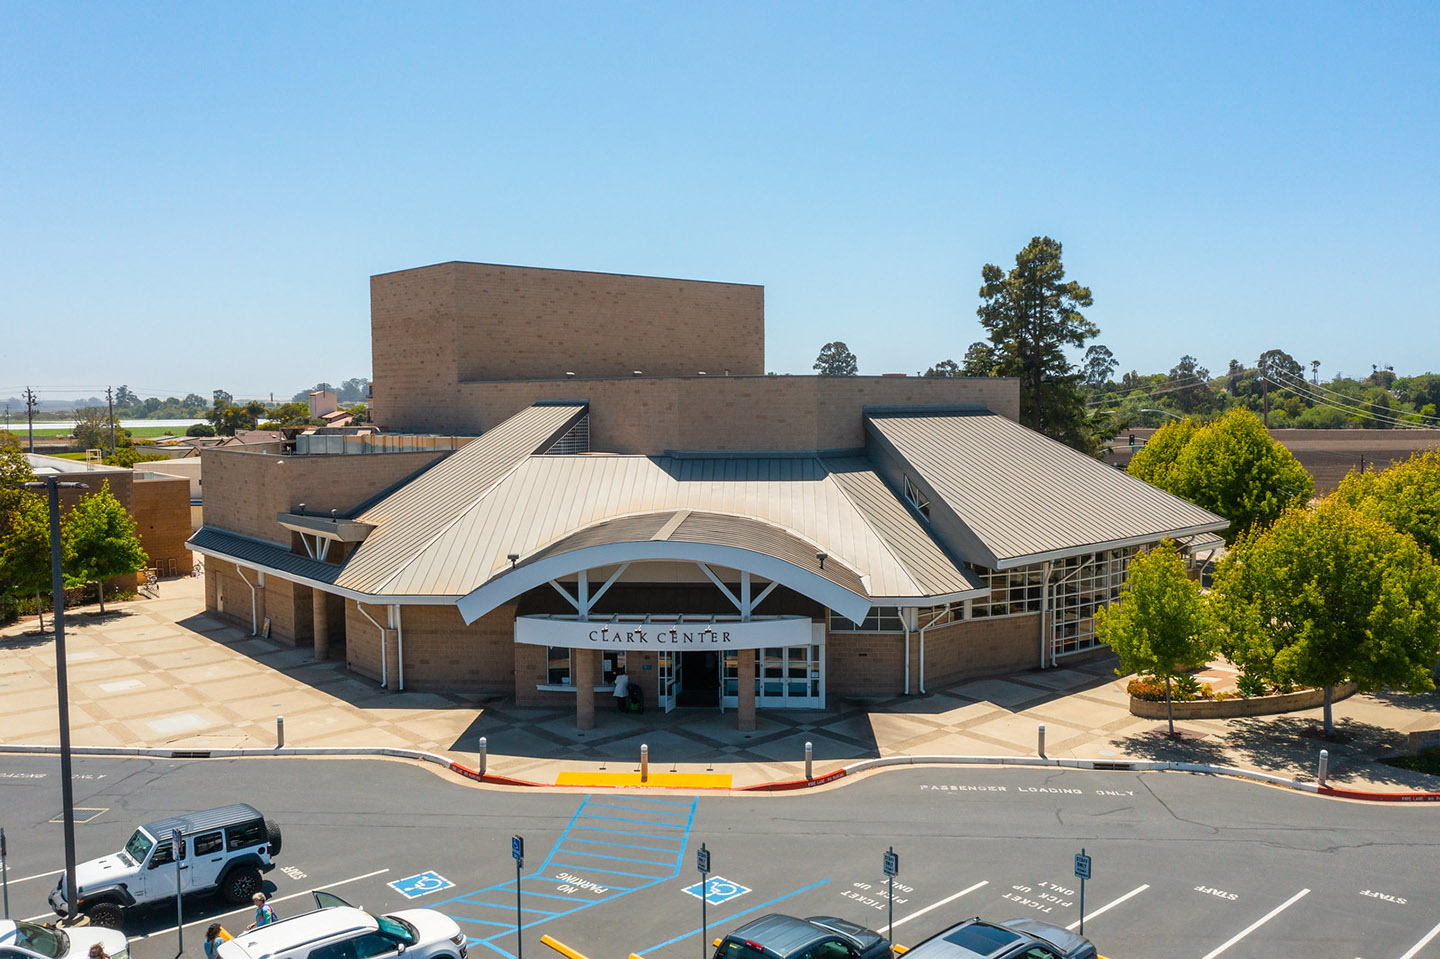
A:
[337,930]
[225,849]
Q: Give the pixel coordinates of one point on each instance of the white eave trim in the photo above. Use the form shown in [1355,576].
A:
[1032,558]
[512,582]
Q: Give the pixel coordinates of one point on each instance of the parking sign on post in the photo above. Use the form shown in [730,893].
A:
[702,863]
[1082,872]
[892,869]
[517,852]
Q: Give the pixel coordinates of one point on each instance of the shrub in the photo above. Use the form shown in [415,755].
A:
[1184,689]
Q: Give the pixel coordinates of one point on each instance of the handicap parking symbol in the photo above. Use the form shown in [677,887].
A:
[413,887]
[718,889]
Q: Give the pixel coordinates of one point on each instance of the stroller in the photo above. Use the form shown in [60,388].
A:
[634,699]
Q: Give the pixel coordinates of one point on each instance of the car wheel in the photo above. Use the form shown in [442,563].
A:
[106,915]
[273,831]
[241,884]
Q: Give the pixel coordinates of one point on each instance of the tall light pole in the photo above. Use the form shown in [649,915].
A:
[53,486]
[1173,416]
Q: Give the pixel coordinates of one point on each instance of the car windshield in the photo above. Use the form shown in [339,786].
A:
[981,938]
[47,942]
[398,930]
[139,846]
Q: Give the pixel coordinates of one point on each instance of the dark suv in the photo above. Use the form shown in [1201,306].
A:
[819,937]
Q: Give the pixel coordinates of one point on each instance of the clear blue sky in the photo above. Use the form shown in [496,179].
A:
[194,194]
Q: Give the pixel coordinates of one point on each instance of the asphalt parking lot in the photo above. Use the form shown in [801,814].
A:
[1182,865]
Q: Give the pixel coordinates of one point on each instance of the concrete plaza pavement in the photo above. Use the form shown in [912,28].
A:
[163,672]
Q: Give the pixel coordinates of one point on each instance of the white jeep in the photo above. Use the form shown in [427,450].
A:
[225,849]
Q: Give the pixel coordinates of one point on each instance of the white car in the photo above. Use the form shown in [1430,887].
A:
[337,930]
[25,940]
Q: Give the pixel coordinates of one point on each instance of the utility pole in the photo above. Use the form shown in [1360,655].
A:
[110,405]
[1265,392]
[30,415]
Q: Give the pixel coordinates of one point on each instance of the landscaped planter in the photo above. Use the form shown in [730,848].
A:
[1249,706]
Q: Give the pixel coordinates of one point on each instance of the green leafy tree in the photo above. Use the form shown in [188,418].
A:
[125,398]
[200,429]
[25,552]
[93,425]
[1192,393]
[1098,367]
[1031,315]
[1159,625]
[835,359]
[980,360]
[102,540]
[1327,596]
[1155,461]
[1407,496]
[1231,467]
[944,368]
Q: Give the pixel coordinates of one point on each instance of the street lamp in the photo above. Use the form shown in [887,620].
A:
[53,486]
[1173,416]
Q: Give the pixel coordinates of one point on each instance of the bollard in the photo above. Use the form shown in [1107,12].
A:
[279,732]
[483,746]
[1324,765]
[809,760]
[1041,746]
[644,762]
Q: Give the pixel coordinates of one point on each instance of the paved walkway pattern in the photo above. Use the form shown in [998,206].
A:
[164,673]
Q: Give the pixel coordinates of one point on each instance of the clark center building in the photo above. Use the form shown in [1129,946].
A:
[578,472]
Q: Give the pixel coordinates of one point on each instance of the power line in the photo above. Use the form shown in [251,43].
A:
[1357,411]
[1313,393]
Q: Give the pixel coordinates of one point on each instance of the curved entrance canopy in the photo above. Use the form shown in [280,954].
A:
[717,539]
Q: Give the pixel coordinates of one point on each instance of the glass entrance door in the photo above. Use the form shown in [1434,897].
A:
[669,679]
[786,677]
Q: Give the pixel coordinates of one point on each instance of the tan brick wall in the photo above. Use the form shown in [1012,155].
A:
[162,519]
[859,664]
[226,594]
[650,415]
[244,491]
[362,639]
[291,616]
[441,652]
[440,325]
[981,647]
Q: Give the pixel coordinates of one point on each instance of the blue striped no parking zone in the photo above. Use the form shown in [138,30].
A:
[613,845]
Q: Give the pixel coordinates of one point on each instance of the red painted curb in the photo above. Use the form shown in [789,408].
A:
[487,778]
[789,784]
[1377,797]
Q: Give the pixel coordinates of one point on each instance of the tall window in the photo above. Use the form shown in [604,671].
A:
[558,672]
[917,499]
[880,619]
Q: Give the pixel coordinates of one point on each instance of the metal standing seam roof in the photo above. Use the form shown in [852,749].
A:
[1025,496]
[720,529]
[545,499]
[414,515]
[197,822]
[253,552]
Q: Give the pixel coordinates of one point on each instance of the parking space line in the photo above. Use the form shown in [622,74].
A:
[1257,924]
[730,918]
[38,875]
[937,905]
[1422,943]
[626,845]
[601,855]
[243,909]
[643,822]
[1109,905]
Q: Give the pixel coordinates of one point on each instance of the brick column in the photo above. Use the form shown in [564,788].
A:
[745,714]
[587,668]
[321,623]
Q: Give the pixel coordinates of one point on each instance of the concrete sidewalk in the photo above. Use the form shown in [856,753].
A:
[163,673]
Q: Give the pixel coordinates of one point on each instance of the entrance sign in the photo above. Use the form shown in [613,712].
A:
[661,634]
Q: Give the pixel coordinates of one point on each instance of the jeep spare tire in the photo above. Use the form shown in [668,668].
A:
[241,883]
[107,915]
[273,831]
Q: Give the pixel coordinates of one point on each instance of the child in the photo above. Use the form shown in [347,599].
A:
[264,914]
[215,935]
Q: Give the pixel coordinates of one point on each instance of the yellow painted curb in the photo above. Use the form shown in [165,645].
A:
[659,780]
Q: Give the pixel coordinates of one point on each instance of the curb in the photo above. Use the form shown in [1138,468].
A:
[784,785]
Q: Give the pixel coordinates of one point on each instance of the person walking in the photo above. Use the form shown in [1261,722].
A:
[215,935]
[264,914]
[622,688]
